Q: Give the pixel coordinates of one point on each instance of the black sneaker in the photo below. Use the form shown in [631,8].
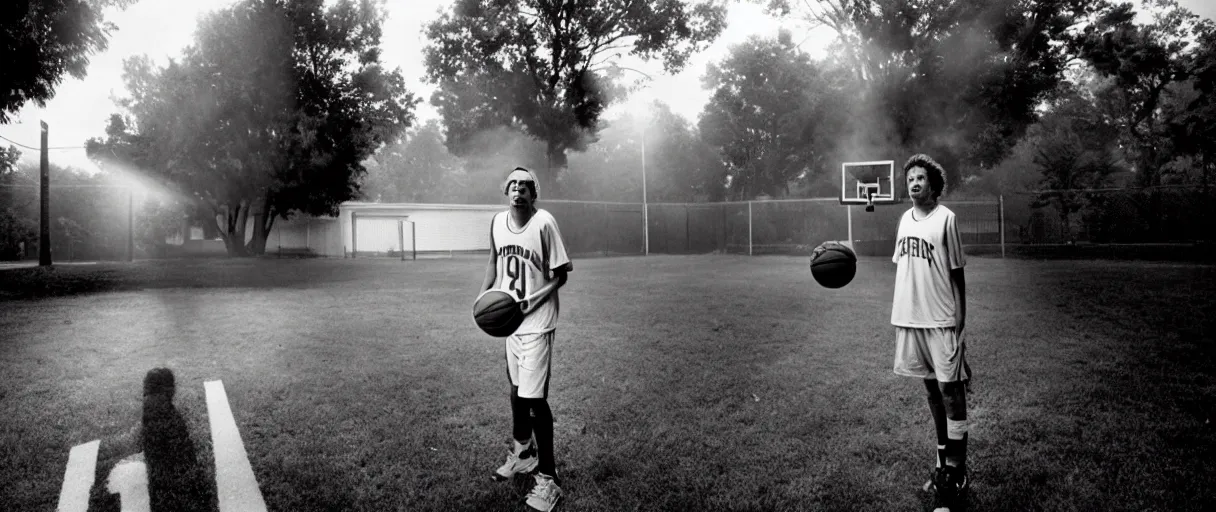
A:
[949,485]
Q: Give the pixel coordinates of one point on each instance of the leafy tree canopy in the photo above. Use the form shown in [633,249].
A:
[680,166]
[956,78]
[42,41]
[767,116]
[1143,61]
[549,67]
[417,169]
[271,111]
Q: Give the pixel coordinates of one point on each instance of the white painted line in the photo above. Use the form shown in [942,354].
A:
[78,478]
[236,486]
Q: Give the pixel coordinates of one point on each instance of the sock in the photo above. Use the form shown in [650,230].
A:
[521,423]
[956,452]
[543,427]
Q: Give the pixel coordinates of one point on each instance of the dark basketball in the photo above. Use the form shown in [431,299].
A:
[497,313]
[833,264]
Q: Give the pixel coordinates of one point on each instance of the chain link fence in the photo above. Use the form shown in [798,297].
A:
[1114,216]
[96,226]
[791,227]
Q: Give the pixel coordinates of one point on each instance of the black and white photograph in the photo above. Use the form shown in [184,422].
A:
[607,255]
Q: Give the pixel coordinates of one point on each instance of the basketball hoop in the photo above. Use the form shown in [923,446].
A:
[868,184]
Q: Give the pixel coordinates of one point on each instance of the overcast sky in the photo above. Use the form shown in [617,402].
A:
[161,28]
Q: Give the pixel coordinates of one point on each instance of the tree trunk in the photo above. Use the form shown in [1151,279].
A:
[1067,227]
[262,222]
[233,230]
[257,244]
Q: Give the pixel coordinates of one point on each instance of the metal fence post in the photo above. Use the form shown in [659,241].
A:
[687,234]
[1000,201]
[749,228]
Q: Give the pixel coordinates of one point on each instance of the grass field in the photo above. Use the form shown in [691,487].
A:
[680,383]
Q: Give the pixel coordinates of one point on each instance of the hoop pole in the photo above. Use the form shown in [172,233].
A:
[645,229]
[413,241]
[401,237]
[354,235]
[849,209]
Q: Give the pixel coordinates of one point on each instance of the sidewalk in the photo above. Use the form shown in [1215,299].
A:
[6,265]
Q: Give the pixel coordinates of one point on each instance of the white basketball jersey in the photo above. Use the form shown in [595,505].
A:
[925,251]
[526,259]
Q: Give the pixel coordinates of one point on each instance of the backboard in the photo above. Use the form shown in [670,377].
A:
[868,183]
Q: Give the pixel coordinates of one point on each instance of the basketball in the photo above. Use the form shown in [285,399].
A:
[833,264]
[497,313]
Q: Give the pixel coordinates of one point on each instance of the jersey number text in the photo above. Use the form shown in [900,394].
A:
[519,279]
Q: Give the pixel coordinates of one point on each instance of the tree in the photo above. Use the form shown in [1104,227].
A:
[681,165]
[1142,61]
[14,229]
[490,154]
[1077,149]
[549,68]
[272,111]
[1145,65]
[956,78]
[1191,115]
[88,214]
[8,160]
[610,169]
[763,118]
[42,41]
[417,169]
[158,219]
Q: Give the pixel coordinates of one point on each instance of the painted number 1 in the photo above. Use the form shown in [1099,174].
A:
[519,280]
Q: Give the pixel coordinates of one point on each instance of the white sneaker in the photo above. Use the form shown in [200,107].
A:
[545,494]
[520,460]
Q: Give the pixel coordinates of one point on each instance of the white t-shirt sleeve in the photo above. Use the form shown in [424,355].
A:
[555,246]
[955,258]
[898,234]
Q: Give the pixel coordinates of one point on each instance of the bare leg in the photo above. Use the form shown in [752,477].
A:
[938,408]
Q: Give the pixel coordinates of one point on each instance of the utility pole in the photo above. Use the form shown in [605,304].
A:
[44,229]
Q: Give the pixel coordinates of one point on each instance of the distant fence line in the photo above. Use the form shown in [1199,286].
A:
[1176,217]
[787,226]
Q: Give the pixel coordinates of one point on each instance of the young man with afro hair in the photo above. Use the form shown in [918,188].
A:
[929,313]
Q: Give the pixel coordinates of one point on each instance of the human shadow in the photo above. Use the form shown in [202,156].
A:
[176,479]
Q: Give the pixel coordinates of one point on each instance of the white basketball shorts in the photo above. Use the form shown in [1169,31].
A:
[528,363]
[930,353]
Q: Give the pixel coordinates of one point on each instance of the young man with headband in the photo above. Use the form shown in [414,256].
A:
[528,260]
